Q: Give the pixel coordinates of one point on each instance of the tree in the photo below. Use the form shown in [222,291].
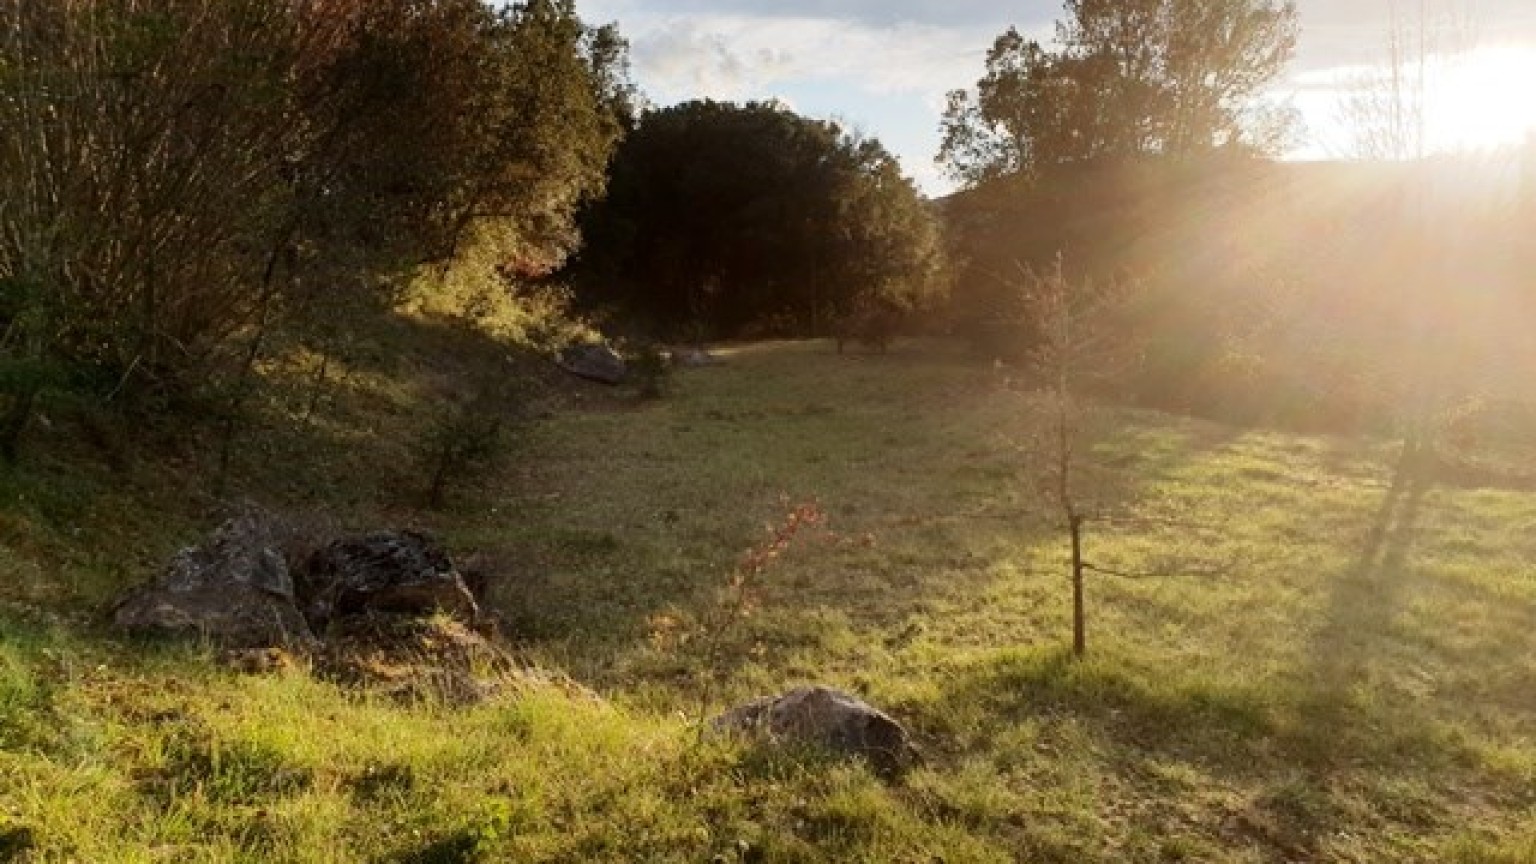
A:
[724,217]
[1385,113]
[1076,338]
[141,182]
[1124,78]
[180,177]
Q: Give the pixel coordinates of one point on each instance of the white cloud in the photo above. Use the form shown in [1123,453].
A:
[723,56]
[955,14]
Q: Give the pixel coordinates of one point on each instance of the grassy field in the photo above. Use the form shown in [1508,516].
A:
[1313,655]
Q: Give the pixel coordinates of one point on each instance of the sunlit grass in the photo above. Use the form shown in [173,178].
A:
[1311,657]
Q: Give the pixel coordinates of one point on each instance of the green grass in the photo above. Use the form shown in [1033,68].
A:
[1319,659]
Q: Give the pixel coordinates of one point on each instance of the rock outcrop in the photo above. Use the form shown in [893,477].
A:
[594,362]
[250,586]
[405,574]
[235,589]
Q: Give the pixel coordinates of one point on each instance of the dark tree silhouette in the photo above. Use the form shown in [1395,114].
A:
[723,218]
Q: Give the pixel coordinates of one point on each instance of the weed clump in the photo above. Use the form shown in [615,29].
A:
[381,782]
[741,595]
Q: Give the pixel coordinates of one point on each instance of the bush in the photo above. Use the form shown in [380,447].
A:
[467,433]
[650,369]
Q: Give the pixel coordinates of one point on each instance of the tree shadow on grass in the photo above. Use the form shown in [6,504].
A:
[1215,726]
[1359,616]
[1350,732]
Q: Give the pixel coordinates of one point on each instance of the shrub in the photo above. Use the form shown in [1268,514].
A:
[466,433]
[650,369]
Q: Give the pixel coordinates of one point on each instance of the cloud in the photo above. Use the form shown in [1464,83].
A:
[730,57]
[953,14]
[1353,34]
[682,60]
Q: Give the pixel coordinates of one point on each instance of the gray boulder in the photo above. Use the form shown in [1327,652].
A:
[234,589]
[824,717]
[258,583]
[594,362]
[402,574]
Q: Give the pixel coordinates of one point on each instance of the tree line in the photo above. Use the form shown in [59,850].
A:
[185,184]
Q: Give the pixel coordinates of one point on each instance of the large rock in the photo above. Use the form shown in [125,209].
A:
[595,362]
[255,584]
[234,589]
[828,718]
[401,574]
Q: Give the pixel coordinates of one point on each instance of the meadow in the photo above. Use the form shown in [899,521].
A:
[1300,648]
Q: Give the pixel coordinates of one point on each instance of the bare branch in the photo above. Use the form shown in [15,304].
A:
[1158,574]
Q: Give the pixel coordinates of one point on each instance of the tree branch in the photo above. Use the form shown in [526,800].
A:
[1124,574]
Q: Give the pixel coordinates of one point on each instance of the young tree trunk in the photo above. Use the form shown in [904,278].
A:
[439,486]
[1079,624]
[316,384]
[244,379]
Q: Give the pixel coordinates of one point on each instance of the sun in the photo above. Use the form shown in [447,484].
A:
[1481,100]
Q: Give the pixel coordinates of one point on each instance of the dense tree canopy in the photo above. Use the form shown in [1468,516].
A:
[725,217]
[1124,77]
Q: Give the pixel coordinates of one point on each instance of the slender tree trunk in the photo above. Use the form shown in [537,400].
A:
[439,481]
[247,369]
[1079,623]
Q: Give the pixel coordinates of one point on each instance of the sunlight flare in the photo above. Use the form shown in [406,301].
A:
[1482,100]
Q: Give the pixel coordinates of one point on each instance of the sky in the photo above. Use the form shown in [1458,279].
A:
[884,67]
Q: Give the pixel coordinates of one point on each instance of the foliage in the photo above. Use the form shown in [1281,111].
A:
[180,178]
[722,216]
[479,290]
[649,369]
[872,323]
[467,431]
[1122,79]
[1310,296]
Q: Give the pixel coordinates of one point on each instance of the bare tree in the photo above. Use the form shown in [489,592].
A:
[1386,114]
[1384,109]
[1080,340]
